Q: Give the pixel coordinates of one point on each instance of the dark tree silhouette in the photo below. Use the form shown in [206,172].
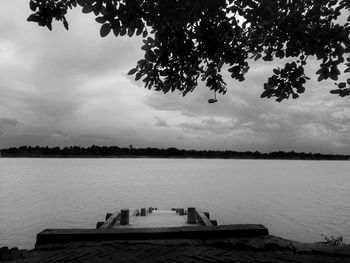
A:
[115,151]
[190,40]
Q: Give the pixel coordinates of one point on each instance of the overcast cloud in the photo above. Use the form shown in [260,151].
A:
[64,88]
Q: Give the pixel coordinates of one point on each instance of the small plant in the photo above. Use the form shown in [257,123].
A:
[332,241]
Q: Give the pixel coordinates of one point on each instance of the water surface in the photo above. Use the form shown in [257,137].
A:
[299,200]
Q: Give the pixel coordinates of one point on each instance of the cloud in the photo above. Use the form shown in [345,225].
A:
[160,122]
[211,125]
[8,121]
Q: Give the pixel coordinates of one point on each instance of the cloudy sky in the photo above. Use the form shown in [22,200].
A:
[65,88]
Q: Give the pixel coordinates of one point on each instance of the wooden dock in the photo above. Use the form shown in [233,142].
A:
[151,223]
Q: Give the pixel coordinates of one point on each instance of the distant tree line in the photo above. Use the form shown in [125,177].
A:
[115,151]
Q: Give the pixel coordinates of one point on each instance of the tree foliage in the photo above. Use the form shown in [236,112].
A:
[186,41]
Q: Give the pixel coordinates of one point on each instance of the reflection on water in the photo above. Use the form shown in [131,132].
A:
[298,200]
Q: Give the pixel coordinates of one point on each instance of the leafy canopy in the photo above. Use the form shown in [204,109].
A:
[190,40]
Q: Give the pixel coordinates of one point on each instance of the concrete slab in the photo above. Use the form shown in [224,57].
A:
[193,232]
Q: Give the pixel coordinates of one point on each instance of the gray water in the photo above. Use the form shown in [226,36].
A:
[299,200]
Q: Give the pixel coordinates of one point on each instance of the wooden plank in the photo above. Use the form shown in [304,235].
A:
[203,219]
[50,236]
[111,220]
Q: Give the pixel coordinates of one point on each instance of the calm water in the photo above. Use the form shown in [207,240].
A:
[298,200]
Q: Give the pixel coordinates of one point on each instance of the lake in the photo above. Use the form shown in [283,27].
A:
[298,200]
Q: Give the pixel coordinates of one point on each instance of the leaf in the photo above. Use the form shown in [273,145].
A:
[276,71]
[142,62]
[234,70]
[145,33]
[122,32]
[82,2]
[150,56]
[101,20]
[32,5]
[116,31]
[341,85]
[87,9]
[96,9]
[257,57]
[138,76]
[325,73]
[139,30]
[145,47]
[301,90]
[264,94]
[302,80]
[65,23]
[280,54]
[132,71]
[334,73]
[131,32]
[33,18]
[105,29]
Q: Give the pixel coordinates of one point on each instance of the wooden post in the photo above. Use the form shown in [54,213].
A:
[143,211]
[207,214]
[191,215]
[99,224]
[108,215]
[214,222]
[150,210]
[181,211]
[124,217]
[111,220]
[203,219]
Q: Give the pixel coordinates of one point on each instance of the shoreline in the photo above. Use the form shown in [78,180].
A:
[249,249]
[166,157]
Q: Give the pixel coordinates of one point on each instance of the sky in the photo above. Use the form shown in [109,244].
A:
[62,88]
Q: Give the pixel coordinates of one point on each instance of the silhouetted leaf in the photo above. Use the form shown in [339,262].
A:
[132,71]
[149,55]
[334,73]
[131,32]
[101,20]
[257,57]
[65,23]
[341,85]
[81,2]
[116,31]
[32,5]
[280,54]
[33,18]
[87,9]
[138,76]
[105,29]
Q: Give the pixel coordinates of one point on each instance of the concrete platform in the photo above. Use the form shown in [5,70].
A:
[51,236]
